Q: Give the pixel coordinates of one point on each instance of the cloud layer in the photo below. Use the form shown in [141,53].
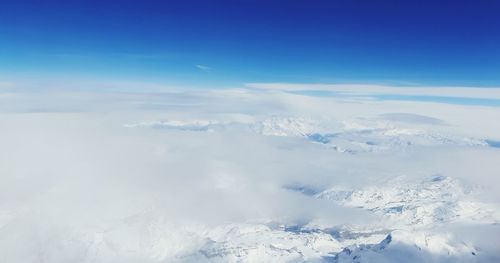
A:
[222,175]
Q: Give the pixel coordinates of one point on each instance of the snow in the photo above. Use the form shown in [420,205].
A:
[438,199]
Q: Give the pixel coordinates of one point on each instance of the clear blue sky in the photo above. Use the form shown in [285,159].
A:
[233,42]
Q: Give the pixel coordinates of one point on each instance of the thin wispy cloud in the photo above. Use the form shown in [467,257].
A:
[204,68]
[5,84]
[369,90]
[119,55]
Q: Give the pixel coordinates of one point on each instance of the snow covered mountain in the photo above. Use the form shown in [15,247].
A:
[344,136]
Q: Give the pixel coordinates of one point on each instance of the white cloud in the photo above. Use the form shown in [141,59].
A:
[203,175]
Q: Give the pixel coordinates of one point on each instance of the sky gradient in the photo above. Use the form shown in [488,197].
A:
[225,43]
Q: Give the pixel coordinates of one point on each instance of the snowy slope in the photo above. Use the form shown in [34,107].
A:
[437,199]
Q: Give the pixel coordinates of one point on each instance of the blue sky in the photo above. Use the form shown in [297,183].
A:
[225,43]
